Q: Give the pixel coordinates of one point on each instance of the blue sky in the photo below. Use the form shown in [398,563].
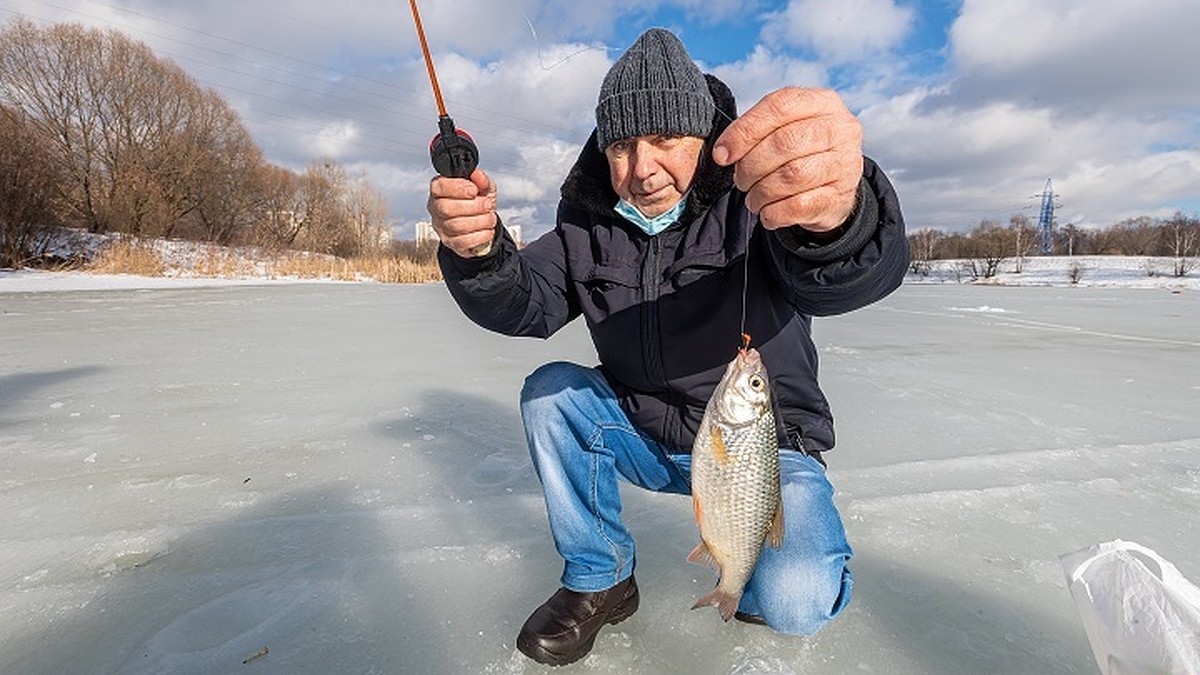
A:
[968,105]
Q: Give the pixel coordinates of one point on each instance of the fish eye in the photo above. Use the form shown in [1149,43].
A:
[756,383]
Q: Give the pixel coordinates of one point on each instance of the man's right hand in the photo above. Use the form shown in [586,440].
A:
[464,212]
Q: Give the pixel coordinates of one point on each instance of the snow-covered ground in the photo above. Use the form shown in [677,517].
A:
[1095,270]
[337,472]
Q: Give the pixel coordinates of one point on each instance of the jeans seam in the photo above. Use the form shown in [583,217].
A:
[594,493]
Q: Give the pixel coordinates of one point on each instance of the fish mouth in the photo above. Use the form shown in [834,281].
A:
[748,356]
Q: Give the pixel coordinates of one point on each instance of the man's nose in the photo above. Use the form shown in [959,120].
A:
[645,159]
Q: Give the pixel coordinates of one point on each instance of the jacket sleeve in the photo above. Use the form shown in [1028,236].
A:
[510,291]
[864,264]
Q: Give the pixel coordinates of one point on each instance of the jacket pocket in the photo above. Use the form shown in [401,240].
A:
[608,289]
[696,265]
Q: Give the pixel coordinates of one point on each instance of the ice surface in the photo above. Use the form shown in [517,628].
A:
[337,472]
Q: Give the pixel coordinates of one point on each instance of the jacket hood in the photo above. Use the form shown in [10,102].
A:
[588,184]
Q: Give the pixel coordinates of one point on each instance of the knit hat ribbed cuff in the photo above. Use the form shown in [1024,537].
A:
[652,111]
[654,88]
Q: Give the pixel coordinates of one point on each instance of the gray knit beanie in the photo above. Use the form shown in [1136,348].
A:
[654,88]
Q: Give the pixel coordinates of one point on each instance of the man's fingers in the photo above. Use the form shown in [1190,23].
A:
[453,188]
[483,182]
[803,175]
[818,210]
[798,140]
[463,211]
[468,235]
[447,208]
[776,109]
[474,230]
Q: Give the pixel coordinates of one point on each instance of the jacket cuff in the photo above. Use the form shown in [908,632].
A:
[850,236]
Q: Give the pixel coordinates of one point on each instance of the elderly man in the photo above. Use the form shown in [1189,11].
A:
[677,221]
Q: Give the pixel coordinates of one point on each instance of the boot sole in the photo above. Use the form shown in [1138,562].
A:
[541,655]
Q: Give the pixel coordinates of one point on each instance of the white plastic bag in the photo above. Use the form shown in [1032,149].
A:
[1140,614]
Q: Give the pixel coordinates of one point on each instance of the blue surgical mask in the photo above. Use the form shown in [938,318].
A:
[650,226]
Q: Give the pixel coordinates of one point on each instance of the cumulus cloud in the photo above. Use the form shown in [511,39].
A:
[840,31]
[955,167]
[1079,53]
[764,71]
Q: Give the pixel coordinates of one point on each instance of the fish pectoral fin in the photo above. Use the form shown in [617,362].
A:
[775,534]
[718,444]
[702,556]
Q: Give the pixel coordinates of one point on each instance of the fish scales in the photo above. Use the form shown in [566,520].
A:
[735,479]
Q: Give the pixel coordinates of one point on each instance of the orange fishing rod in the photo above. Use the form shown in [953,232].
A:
[452,151]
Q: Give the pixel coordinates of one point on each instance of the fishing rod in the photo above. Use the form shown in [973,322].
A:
[452,151]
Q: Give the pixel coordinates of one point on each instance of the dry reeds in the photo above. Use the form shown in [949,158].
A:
[128,256]
[385,269]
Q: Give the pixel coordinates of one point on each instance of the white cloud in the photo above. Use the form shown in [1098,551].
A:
[955,167]
[334,138]
[840,31]
[1080,52]
[764,71]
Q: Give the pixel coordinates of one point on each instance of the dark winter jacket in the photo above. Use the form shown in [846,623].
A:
[665,311]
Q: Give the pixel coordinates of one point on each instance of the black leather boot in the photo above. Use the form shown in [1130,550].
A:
[564,628]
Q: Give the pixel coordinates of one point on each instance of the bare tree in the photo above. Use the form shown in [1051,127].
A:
[28,191]
[1183,240]
[990,246]
[319,216]
[1136,236]
[139,147]
[924,244]
[50,75]
[1024,235]
[229,185]
[141,144]
[277,224]
[366,215]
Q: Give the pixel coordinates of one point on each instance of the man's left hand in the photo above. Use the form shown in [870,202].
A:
[798,155]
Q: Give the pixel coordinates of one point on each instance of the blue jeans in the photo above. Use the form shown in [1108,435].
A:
[582,443]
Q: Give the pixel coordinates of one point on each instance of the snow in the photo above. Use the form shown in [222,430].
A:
[1088,271]
[195,470]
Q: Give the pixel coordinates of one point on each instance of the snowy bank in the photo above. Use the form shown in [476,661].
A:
[1085,271]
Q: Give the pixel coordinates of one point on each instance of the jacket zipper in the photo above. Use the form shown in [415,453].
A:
[651,347]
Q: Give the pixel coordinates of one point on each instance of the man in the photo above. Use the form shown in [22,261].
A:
[658,246]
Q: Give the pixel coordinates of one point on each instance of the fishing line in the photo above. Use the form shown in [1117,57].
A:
[538,44]
[746,286]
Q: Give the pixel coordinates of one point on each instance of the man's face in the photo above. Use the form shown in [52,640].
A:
[653,172]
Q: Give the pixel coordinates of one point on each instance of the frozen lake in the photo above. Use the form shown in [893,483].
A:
[337,472]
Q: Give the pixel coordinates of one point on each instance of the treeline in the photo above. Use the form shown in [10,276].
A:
[98,133]
[991,243]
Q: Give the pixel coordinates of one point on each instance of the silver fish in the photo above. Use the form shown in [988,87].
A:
[735,480]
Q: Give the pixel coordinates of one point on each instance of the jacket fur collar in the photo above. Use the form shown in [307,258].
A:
[588,184]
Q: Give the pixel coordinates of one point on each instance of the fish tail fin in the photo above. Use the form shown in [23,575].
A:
[726,602]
